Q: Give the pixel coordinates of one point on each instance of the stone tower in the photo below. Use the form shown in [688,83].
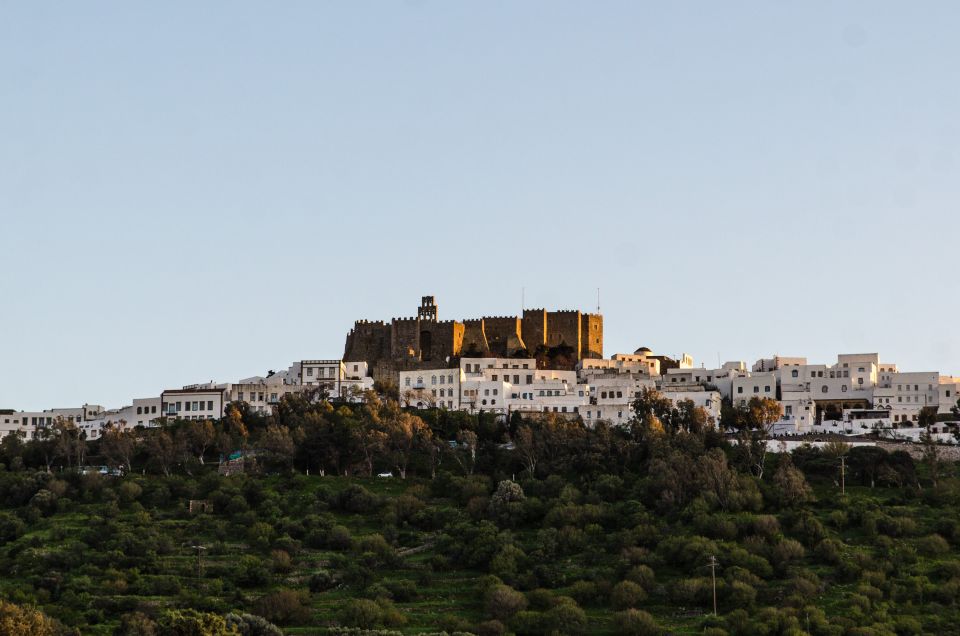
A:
[428,309]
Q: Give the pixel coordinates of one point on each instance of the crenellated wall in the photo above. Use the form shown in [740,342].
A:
[368,340]
[563,327]
[503,335]
[414,342]
[534,328]
[591,336]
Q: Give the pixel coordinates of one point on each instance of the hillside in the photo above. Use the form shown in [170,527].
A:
[572,530]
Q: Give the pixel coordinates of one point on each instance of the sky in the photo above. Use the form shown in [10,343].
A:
[194,191]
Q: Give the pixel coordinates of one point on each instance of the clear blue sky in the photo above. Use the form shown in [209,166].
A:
[207,190]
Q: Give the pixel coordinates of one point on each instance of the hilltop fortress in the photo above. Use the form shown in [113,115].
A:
[405,344]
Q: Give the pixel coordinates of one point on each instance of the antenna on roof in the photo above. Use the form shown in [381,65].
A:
[523,303]
[598,300]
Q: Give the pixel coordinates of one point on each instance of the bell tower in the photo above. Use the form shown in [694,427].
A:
[428,309]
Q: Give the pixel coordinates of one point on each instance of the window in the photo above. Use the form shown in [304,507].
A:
[739,389]
[494,391]
[529,379]
[756,389]
[843,388]
[309,371]
[443,379]
[449,379]
[794,373]
[139,410]
[433,379]
[766,389]
[406,381]
[823,389]
[494,376]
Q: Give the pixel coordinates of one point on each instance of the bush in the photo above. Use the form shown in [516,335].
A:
[932,545]
[786,552]
[633,622]
[585,592]
[566,617]
[627,594]
[339,538]
[360,612]
[643,576]
[503,602]
[250,625]
[190,622]
[281,561]
[22,620]
[285,607]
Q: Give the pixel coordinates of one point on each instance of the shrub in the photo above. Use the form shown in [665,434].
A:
[633,622]
[15,619]
[785,552]
[285,607]
[932,545]
[190,622]
[360,612]
[356,498]
[503,602]
[339,538]
[281,561]
[567,617]
[490,628]
[585,592]
[250,625]
[627,594]
[643,576]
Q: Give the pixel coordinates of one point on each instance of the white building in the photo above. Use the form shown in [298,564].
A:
[195,402]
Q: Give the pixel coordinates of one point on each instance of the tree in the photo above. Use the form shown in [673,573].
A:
[465,452]
[760,416]
[24,621]
[118,446]
[278,446]
[163,449]
[70,441]
[716,476]
[931,457]
[199,436]
[405,434]
[792,485]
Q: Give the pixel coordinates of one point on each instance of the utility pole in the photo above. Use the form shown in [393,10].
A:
[713,575]
[199,548]
[843,475]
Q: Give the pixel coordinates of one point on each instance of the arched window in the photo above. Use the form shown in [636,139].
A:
[433,380]
[823,389]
